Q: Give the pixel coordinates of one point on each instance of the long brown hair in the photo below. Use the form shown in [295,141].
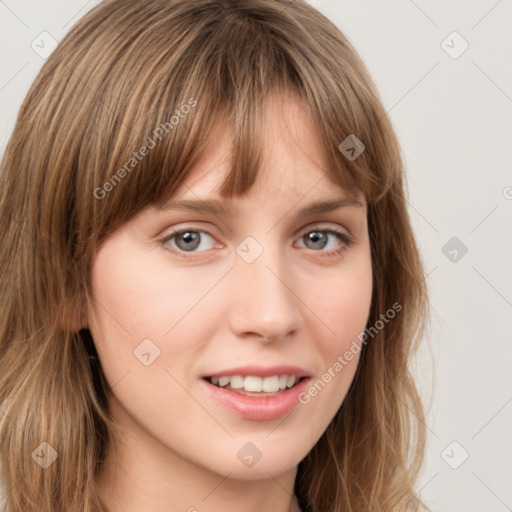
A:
[160,74]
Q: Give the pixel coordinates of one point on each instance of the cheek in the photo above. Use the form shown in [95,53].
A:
[343,307]
[341,313]
[141,315]
[140,297]
[344,304]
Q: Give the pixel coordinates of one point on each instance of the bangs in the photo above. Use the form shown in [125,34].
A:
[166,88]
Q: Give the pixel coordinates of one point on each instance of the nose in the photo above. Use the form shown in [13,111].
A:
[264,301]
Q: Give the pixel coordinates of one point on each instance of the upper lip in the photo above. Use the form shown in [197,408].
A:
[262,371]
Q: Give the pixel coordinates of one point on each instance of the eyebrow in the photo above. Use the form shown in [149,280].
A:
[224,209]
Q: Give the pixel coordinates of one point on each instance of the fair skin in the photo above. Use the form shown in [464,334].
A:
[297,303]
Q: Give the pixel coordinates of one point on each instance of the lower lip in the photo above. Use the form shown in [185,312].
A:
[255,407]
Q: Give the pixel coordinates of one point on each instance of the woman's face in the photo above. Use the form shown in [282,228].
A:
[266,289]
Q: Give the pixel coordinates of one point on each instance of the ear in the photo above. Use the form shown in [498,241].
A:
[82,322]
[74,318]
[72,321]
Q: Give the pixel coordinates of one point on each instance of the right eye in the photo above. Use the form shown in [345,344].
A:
[187,241]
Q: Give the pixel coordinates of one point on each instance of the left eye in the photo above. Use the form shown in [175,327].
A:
[319,239]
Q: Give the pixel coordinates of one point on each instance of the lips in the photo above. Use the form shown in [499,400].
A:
[258,393]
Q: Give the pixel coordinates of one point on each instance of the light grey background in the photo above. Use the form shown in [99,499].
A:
[452,116]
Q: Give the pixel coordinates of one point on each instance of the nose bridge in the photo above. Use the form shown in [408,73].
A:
[263,301]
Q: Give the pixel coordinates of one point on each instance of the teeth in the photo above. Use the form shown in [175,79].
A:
[271,384]
[223,381]
[237,381]
[252,383]
[256,384]
[291,381]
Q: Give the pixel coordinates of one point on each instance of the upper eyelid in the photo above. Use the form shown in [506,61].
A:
[303,230]
[346,237]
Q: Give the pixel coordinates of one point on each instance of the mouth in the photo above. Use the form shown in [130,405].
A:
[253,385]
[258,393]
[272,394]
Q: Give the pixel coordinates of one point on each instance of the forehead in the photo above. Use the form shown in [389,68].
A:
[293,160]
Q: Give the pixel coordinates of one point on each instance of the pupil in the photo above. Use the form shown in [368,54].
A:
[318,238]
[190,238]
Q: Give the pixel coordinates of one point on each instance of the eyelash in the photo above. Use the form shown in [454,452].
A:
[346,240]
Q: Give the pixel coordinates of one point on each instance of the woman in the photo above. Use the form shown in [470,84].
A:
[211,288]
